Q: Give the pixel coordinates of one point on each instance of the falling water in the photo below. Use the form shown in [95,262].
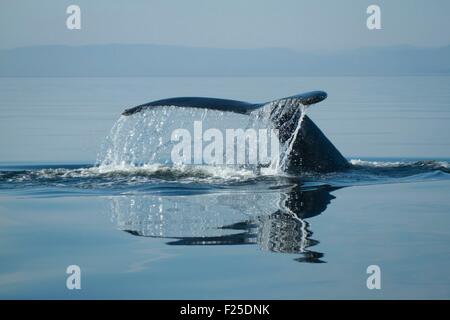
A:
[277,109]
[144,139]
[138,140]
[290,142]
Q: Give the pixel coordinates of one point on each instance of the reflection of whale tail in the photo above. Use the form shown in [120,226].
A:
[281,228]
[311,150]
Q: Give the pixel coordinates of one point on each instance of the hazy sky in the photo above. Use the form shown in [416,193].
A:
[302,25]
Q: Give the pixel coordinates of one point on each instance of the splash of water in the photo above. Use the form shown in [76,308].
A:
[136,141]
[276,110]
[290,142]
[88,179]
[145,138]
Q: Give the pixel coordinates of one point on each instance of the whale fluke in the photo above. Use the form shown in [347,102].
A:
[311,150]
[225,104]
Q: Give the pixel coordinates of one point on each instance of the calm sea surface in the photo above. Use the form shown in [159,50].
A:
[213,233]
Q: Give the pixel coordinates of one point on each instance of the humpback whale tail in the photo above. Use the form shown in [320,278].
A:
[311,149]
[226,104]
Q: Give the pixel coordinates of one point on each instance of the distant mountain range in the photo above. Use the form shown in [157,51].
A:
[158,60]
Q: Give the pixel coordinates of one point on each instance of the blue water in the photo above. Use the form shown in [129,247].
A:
[203,232]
